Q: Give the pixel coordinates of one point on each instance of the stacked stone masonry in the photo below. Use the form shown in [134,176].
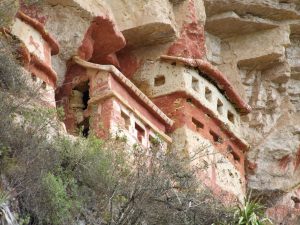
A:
[219,76]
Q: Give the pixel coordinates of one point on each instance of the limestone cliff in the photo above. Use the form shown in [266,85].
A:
[247,53]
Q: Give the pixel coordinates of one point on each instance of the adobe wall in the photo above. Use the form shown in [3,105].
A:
[161,78]
[255,44]
[214,168]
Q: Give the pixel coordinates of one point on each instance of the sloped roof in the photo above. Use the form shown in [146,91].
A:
[217,77]
[128,84]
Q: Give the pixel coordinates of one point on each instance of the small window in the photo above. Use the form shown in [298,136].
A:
[140,132]
[208,115]
[208,94]
[44,85]
[154,141]
[195,84]
[159,80]
[126,119]
[173,63]
[189,100]
[197,124]
[85,126]
[216,138]
[230,116]
[236,157]
[33,77]
[220,107]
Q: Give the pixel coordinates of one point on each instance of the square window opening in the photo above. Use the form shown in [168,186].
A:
[154,141]
[195,84]
[126,120]
[197,124]
[44,85]
[84,89]
[208,94]
[189,100]
[216,137]
[230,117]
[159,80]
[220,107]
[140,132]
[236,157]
[33,77]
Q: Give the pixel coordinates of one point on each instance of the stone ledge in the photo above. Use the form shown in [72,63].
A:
[230,24]
[153,33]
[262,8]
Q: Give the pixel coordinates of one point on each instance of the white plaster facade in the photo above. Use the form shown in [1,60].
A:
[227,177]
[45,91]
[160,78]
[131,126]
[31,38]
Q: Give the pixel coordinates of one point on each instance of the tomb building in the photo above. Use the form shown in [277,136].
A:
[105,103]
[37,50]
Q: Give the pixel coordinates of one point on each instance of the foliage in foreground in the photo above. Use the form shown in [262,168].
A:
[251,213]
[59,179]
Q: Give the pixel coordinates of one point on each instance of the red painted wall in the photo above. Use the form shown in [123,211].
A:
[135,103]
[181,111]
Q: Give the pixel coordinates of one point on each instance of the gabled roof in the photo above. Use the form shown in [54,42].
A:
[40,28]
[217,77]
[128,85]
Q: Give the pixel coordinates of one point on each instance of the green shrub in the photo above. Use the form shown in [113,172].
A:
[56,200]
[251,213]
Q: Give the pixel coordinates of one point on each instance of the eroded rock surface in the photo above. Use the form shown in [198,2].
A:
[255,44]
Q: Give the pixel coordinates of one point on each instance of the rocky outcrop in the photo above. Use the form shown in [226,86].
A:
[248,51]
[255,43]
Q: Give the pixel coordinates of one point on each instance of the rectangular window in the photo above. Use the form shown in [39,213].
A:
[159,80]
[236,157]
[154,141]
[140,132]
[216,137]
[197,124]
[220,107]
[195,84]
[208,94]
[33,77]
[126,120]
[230,116]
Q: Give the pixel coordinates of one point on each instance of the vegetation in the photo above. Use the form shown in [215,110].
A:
[251,213]
[59,179]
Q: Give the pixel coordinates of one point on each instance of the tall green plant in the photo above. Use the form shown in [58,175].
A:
[251,213]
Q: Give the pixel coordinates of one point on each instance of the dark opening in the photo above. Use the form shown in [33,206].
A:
[84,126]
[84,89]
[220,107]
[126,120]
[208,94]
[159,80]
[44,85]
[140,132]
[195,84]
[236,157]
[85,99]
[216,137]
[197,123]
[33,77]
[189,100]
[153,141]
[173,63]
[230,116]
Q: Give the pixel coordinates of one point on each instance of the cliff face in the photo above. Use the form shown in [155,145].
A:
[254,44]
